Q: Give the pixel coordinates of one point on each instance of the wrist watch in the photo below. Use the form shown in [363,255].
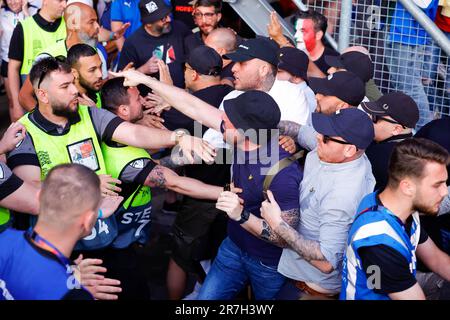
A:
[244,217]
[178,135]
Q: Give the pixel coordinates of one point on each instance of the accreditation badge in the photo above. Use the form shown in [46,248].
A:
[83,152]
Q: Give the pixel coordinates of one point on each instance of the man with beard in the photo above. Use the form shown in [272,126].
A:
[29,38]
[61,131]
[86,32]
[87,70]
[206,14]
[159,38]
[386,236]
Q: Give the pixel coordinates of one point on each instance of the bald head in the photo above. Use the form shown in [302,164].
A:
[223,40]
[77,13]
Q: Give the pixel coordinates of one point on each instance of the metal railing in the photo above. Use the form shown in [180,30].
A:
[418,66]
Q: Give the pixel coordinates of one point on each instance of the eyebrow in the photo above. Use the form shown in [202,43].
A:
[65,84]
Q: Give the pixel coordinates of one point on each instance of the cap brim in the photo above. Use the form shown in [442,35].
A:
[334,61]
[320,85]
[237,57]
[323,124]
[373,108]
[164,11]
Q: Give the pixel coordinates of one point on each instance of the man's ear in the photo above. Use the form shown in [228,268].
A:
[42,95]
[88,220]
[123,111]
[195,76]
[408,187]
[319,35]
[75,73]
[219,16]
[398,129]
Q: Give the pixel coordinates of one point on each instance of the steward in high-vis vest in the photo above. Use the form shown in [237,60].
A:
[138,172]
[36,40]
[29,38]
[60,130]
[386,238]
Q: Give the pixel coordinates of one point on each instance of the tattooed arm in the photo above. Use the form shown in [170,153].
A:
[307,249]
[289,128]
[305,135]
[230,203]
[162,177]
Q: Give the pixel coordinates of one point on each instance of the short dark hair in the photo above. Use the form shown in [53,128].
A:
[78,51]
[319,20]
[409,157]
[44,67]
[114,94]
[217,4]
[67,191]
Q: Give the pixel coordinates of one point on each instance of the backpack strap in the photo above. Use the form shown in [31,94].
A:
[280,165]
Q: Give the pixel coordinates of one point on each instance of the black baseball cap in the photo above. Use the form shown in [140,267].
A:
[293,61]
[253,109]
[256,48]
[354,61]
[351,124]
[205,60]
[153,10]
[342,84]
[397,105]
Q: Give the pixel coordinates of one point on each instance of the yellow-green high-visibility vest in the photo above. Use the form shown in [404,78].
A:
[133,216]
[36,39]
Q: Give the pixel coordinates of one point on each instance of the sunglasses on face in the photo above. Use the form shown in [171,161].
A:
[326,138]
[52,65]
[376,118]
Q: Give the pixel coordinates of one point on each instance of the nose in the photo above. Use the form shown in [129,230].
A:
[444,191]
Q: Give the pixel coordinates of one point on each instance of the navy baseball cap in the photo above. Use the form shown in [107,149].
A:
[351,124]
[253,109]
[354,61]
[397,105]
[256,48]
[153,10]
[342,84]
[205,60]
[293,61]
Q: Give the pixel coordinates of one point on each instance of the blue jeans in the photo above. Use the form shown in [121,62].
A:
[405,64]
[233,269]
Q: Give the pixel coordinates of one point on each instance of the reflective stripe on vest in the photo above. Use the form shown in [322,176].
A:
[36,39]
[133,217]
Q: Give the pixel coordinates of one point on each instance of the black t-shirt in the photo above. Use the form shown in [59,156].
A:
[9,182]
[395,275]
[192,41]
[16,46]
[141,46]
[379,154]
[214,174]
[321,64]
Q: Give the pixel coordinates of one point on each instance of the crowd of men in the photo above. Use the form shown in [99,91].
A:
[298,178]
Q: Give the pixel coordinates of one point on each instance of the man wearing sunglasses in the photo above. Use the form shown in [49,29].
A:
[337,176]
[394,116]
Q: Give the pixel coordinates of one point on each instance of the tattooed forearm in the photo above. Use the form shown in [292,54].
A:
[289,128]
[290,217]
[308,249]
[156,177]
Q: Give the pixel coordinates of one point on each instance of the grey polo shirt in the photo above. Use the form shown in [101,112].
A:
[329,197]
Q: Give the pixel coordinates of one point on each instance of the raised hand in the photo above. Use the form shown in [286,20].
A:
[270,211]
[12,137]
[108,185]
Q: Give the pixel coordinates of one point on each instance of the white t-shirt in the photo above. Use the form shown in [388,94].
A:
[291,100]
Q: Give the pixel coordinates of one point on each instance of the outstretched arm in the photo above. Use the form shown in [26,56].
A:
[165,178]
[179,99]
